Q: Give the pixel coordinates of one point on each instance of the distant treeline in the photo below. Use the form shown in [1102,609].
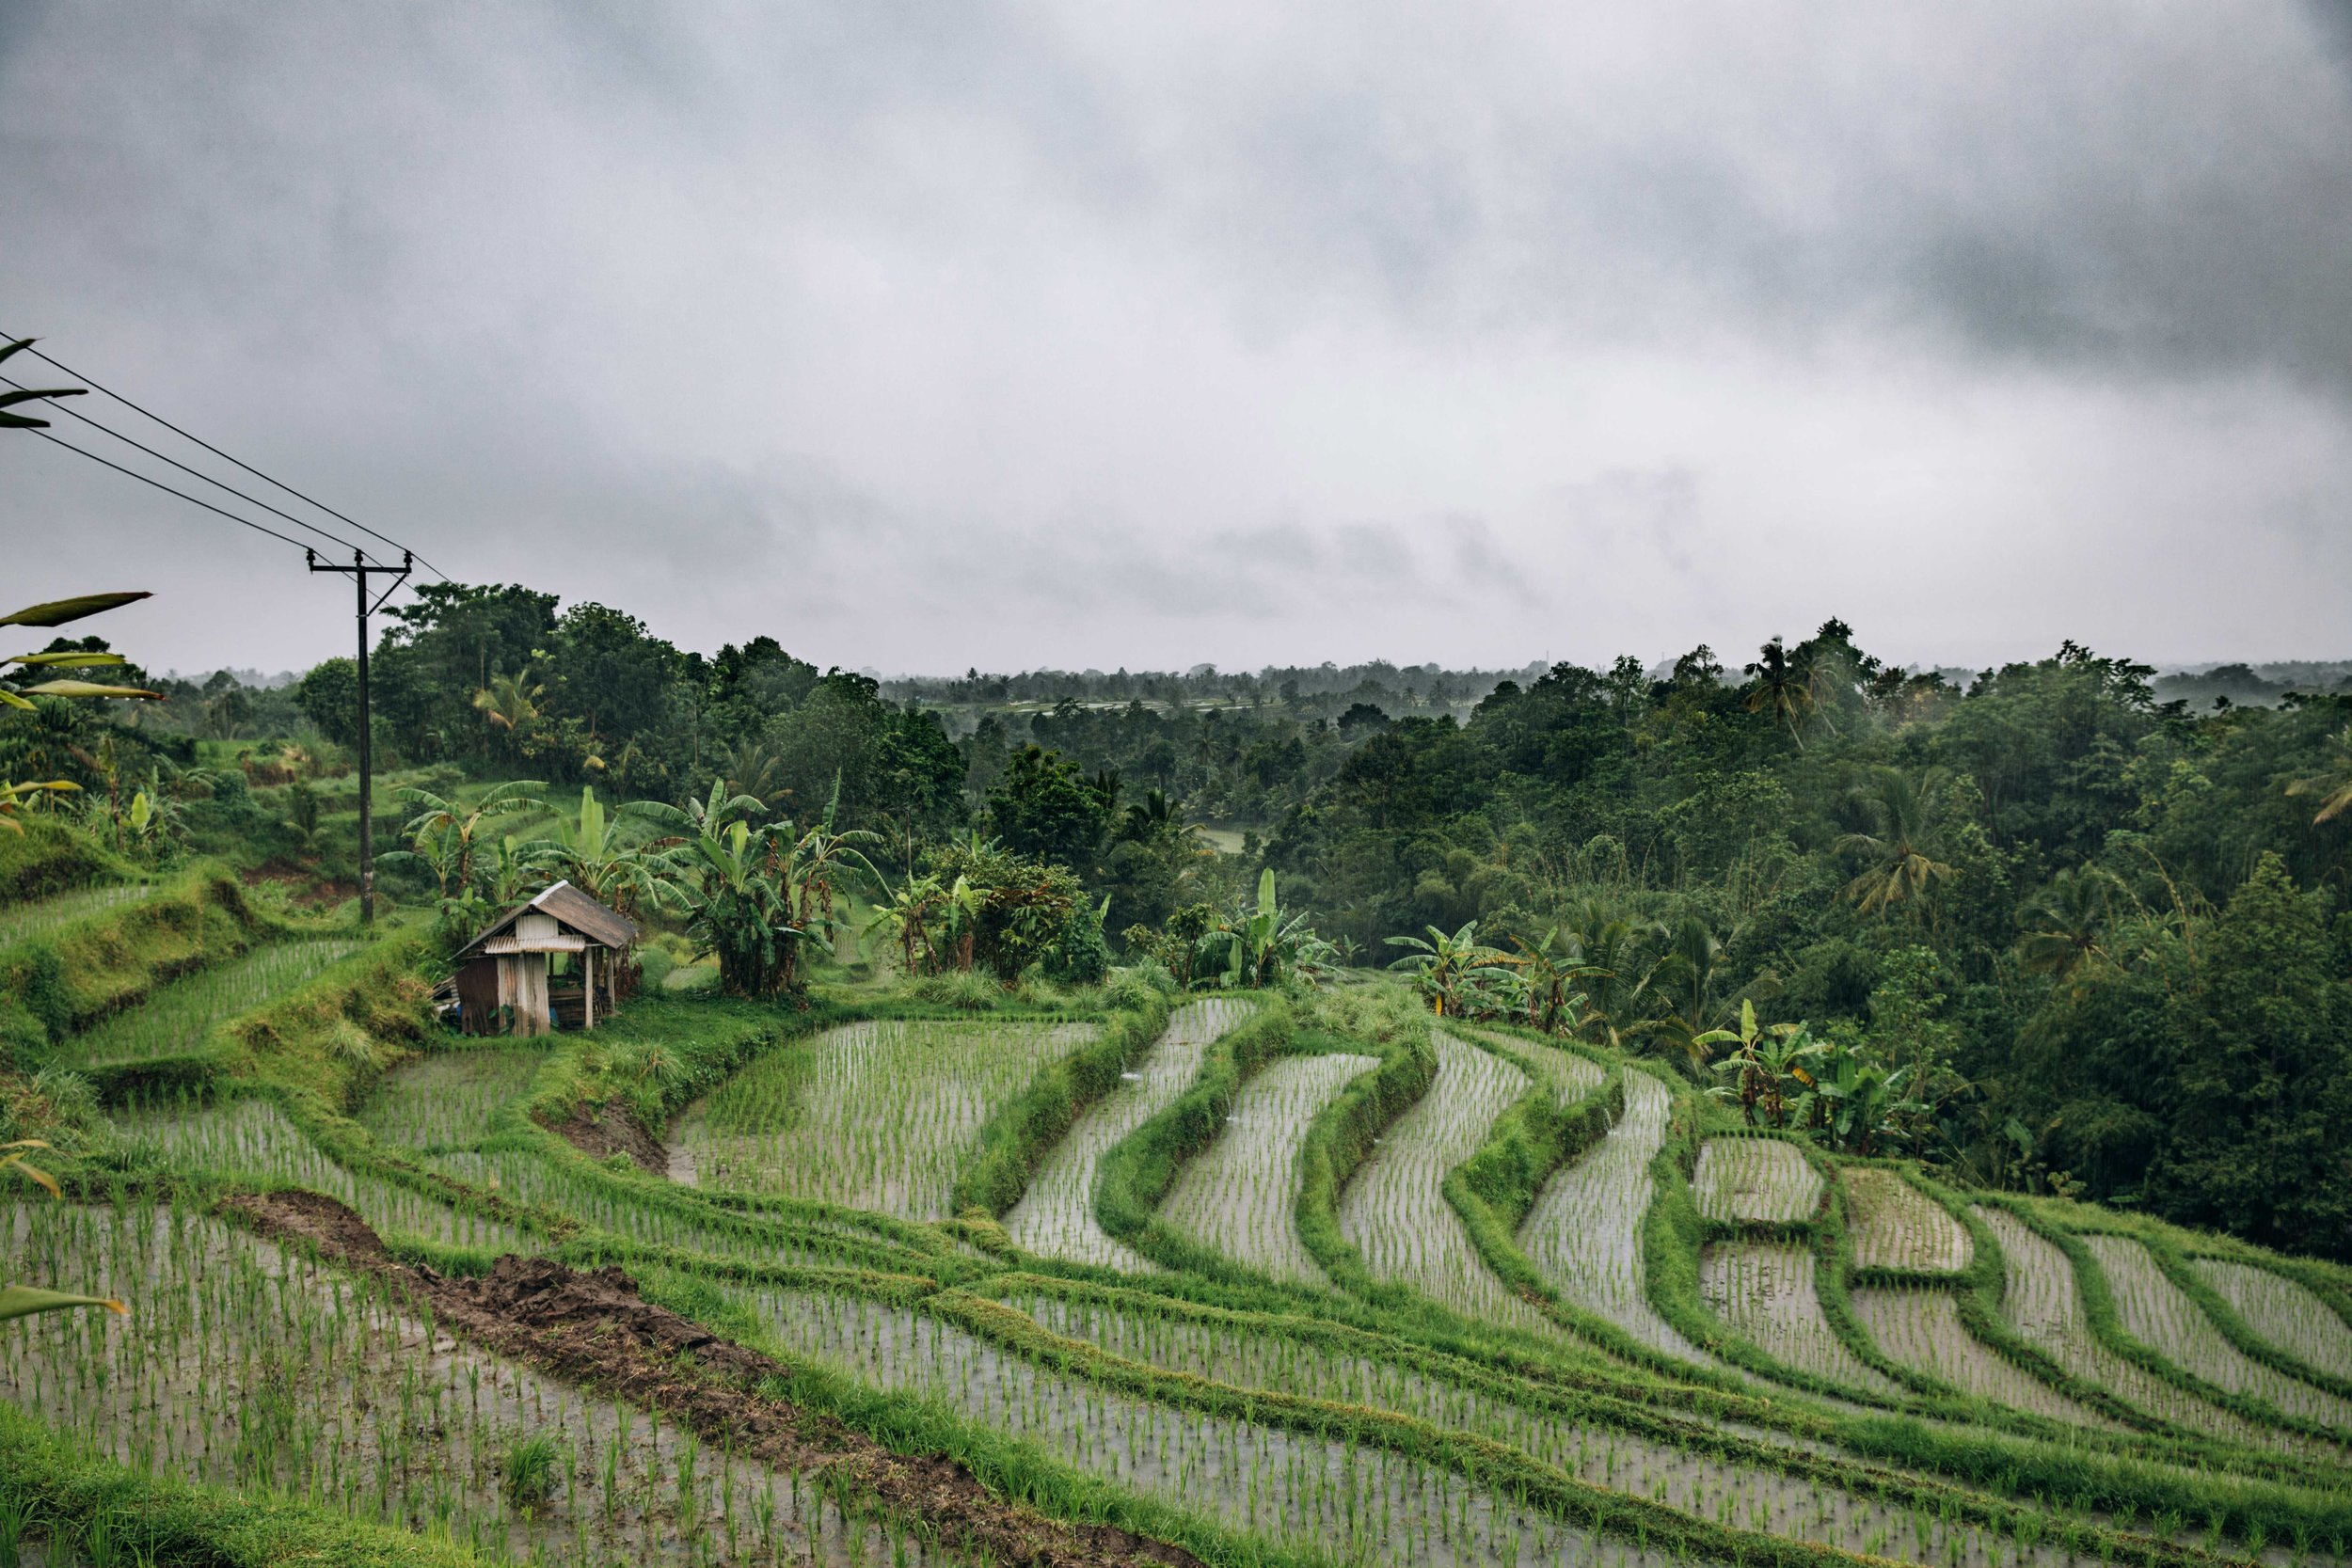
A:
[2101,935]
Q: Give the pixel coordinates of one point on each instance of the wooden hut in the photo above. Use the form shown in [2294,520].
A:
[504,979]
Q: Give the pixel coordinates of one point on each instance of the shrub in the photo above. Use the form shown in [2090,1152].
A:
[972,991]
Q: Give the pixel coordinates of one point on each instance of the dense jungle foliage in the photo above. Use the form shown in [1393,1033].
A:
[2039,925]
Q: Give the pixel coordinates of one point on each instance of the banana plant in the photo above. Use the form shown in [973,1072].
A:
[14,797]
[1861,1101]
[727,875]
[22,1300]
[29,394]
[1762,1063]
[57,612]
[1443,963]
[1253,948]
[960,921]
[590,854]
[445,835]
[905,919]
[1547,970]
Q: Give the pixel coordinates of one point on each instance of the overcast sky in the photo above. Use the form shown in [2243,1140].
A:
[924,335]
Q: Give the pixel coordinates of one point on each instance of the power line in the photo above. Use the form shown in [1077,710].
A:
[224,457]
[258,528]
[196,473]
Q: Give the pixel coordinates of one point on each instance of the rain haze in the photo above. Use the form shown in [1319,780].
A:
[922,337]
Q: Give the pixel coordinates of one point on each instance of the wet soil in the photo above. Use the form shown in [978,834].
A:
[613,1131]
[593,1328]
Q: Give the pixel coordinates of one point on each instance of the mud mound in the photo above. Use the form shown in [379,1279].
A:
[594,1328]
[613,1131]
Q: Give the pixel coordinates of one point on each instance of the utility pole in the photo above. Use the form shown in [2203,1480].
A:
[359,571]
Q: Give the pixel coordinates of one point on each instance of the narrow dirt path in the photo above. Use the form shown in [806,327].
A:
[595,1329]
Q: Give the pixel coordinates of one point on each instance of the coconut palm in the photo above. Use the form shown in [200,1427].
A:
[2335,786]
[444,835]
[1899,866]
[2066,924]
[510,703]
[1618,971]
[1683,981]
[1781,689]
[752,771]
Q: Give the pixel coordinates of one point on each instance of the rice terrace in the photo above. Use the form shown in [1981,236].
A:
[1643,858]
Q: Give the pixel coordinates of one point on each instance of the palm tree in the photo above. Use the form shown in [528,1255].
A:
[1683,979]
[751,769]
[2066,922]
[1781,690]
[1899,866]
[2334,786]
[1611,953]
[444,834]
[510,703]
[1443,964]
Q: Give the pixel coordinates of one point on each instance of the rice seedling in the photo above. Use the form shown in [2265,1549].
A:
[1584,1232]
[253,1138]
[176,1019]
[529,1476]
[1570,1076]
[1393,1210]
[1892,1225]
[2287,1314]
[1237,1195]
[1764,1292]
[2043,1304]
[40,916]
[1755,1178]
[1056,1215]
[1325,1497]
[1921,1329]
[2161,1315]
[1856,1519]
[525,1177]
[873,1116]
[248,1367]
[446,1100]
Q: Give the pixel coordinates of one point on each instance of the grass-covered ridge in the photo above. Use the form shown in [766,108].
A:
[1468,1423]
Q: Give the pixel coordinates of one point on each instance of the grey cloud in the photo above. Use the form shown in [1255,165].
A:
[936,333]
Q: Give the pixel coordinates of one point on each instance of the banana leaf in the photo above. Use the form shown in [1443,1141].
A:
[22,1300]
[57,612]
